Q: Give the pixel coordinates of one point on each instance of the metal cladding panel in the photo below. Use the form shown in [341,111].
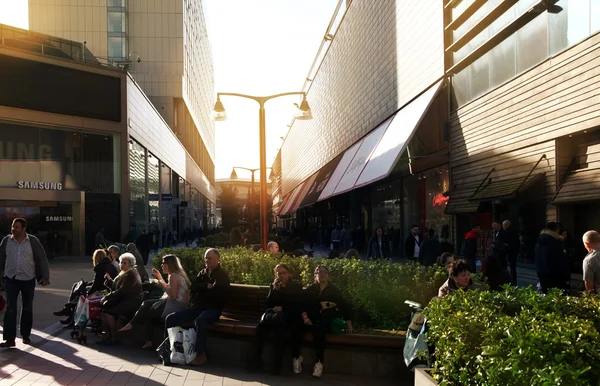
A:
[339,171]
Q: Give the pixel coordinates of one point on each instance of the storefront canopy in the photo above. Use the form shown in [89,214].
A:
[304,187]
[579,186]
[320,181]
[374,157]
[505,189]
[461,205]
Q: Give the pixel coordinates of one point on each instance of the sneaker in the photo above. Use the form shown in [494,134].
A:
[297,364]
[318,370]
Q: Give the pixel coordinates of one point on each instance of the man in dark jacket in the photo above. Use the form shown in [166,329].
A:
[468,250]
[412,245]
[552,264]
[430,249]
[208,294]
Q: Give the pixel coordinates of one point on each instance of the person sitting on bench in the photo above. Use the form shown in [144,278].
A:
[209,292]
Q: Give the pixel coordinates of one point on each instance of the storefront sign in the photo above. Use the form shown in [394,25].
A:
[440,199]
[59,218]
[39,185]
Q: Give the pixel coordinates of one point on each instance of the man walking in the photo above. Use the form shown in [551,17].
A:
[468,249]
[551,261]
[591,263]
[412,245]
[22,262]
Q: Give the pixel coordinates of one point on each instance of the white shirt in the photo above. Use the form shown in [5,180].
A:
[20,264]
[417,247]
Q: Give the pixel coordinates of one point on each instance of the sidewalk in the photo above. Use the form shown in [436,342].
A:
[56,359]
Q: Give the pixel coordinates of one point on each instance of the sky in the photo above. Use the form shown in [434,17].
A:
[259,47]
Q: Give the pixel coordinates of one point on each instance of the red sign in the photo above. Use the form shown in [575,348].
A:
[440,199]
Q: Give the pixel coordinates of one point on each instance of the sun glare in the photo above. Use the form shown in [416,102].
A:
[14,13]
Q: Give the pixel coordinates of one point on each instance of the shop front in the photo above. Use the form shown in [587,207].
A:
[54,179]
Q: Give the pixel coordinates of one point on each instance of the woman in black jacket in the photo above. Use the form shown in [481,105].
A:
[281,316]
[378,247]
[323,303]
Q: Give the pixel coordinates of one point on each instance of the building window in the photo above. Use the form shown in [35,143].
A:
[117,48]
[116,22]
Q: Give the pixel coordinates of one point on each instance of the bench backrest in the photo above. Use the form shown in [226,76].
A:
[246,302]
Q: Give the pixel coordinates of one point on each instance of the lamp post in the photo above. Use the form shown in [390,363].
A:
[303,113]
[251,195]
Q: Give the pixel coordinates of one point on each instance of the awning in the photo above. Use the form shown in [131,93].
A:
[320,181]
[579,186]
[287,202]
[374,157]
[396,138]
[461,205]
[277,209]
[505,189]
[304,187]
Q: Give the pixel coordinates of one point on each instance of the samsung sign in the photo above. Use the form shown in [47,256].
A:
[38,185]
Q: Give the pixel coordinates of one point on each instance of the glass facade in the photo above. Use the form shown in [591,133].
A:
[153,191]
[544,36]
[137,187]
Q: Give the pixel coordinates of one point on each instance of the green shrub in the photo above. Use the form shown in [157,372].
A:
[515,337]
[376,290]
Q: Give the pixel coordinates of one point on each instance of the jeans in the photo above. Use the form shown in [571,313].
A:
[202,319]
[12,287]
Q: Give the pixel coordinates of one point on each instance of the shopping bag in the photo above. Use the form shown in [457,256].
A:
[81,312]
[164,352]
[189,345]
[177,351]
[94,306]
[414,343]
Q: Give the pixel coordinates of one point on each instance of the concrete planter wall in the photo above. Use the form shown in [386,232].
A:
[422,378]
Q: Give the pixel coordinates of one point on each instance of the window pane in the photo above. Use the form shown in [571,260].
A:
[532,43]
[116,3]
[595,15]
[460,87]
[479,75]
[115,49]
[115,22]
[503,62]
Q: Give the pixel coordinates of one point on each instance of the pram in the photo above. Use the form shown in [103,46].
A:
[88,315]
[416,339]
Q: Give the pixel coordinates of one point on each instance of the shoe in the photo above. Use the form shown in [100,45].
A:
[8,343]
[26,340]
[318,370]
[64,312]
[67,321]
[297,364]
[199,360]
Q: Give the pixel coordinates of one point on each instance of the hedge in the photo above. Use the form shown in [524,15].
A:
[515,337]
[376,290]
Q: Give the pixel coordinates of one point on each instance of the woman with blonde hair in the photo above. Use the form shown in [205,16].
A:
[175,298]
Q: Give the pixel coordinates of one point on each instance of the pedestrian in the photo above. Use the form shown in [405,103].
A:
[273,248]
[346,238]
[412,245]
[139,262]
[99,239]
[378,247]
[430,249]
[208,294]
[468,249]
[22,262]
[591,263]
[552,264]
[336,236]
[144,243]
[512,242]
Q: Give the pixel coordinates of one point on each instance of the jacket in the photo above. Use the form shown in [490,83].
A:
[288,298]
[102,268]
[430,250]
[326,305]
[469,247]
[409,246]
[450,286]
[126,287]
[373,251]
[203,297]
[552,264]
[42,269]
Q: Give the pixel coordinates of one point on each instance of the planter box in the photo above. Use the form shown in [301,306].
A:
[422,377]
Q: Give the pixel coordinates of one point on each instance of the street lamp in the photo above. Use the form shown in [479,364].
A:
[303,113]
[234,176]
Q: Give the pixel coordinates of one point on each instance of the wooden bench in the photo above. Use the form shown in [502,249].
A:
[247,303]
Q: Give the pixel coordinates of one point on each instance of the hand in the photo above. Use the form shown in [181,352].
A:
[349,328]
[277,284]
[107,276]
[210,286]
[44,283]
[277,309]
[156,273]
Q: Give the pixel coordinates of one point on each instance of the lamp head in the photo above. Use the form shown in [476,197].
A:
[218,113]
[233,175]
[304,113]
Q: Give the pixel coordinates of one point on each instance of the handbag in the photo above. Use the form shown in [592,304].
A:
[272,318]
[338,326]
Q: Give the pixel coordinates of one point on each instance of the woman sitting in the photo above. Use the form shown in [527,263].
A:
[324,303]
[102,266]
[176,297]
[125,297]
[460,277]
[281,316]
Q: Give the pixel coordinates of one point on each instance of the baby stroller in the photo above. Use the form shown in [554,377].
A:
[88,315]
[416,339]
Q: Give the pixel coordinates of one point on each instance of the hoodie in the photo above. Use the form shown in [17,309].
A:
[552,264]
[469,247]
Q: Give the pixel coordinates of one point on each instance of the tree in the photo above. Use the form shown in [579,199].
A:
[229,207]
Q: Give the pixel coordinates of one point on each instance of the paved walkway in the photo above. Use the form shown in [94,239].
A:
[56,359]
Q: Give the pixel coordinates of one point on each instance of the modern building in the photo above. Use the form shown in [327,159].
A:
[379,102]
[243,194]
[163,44]
[82,148]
